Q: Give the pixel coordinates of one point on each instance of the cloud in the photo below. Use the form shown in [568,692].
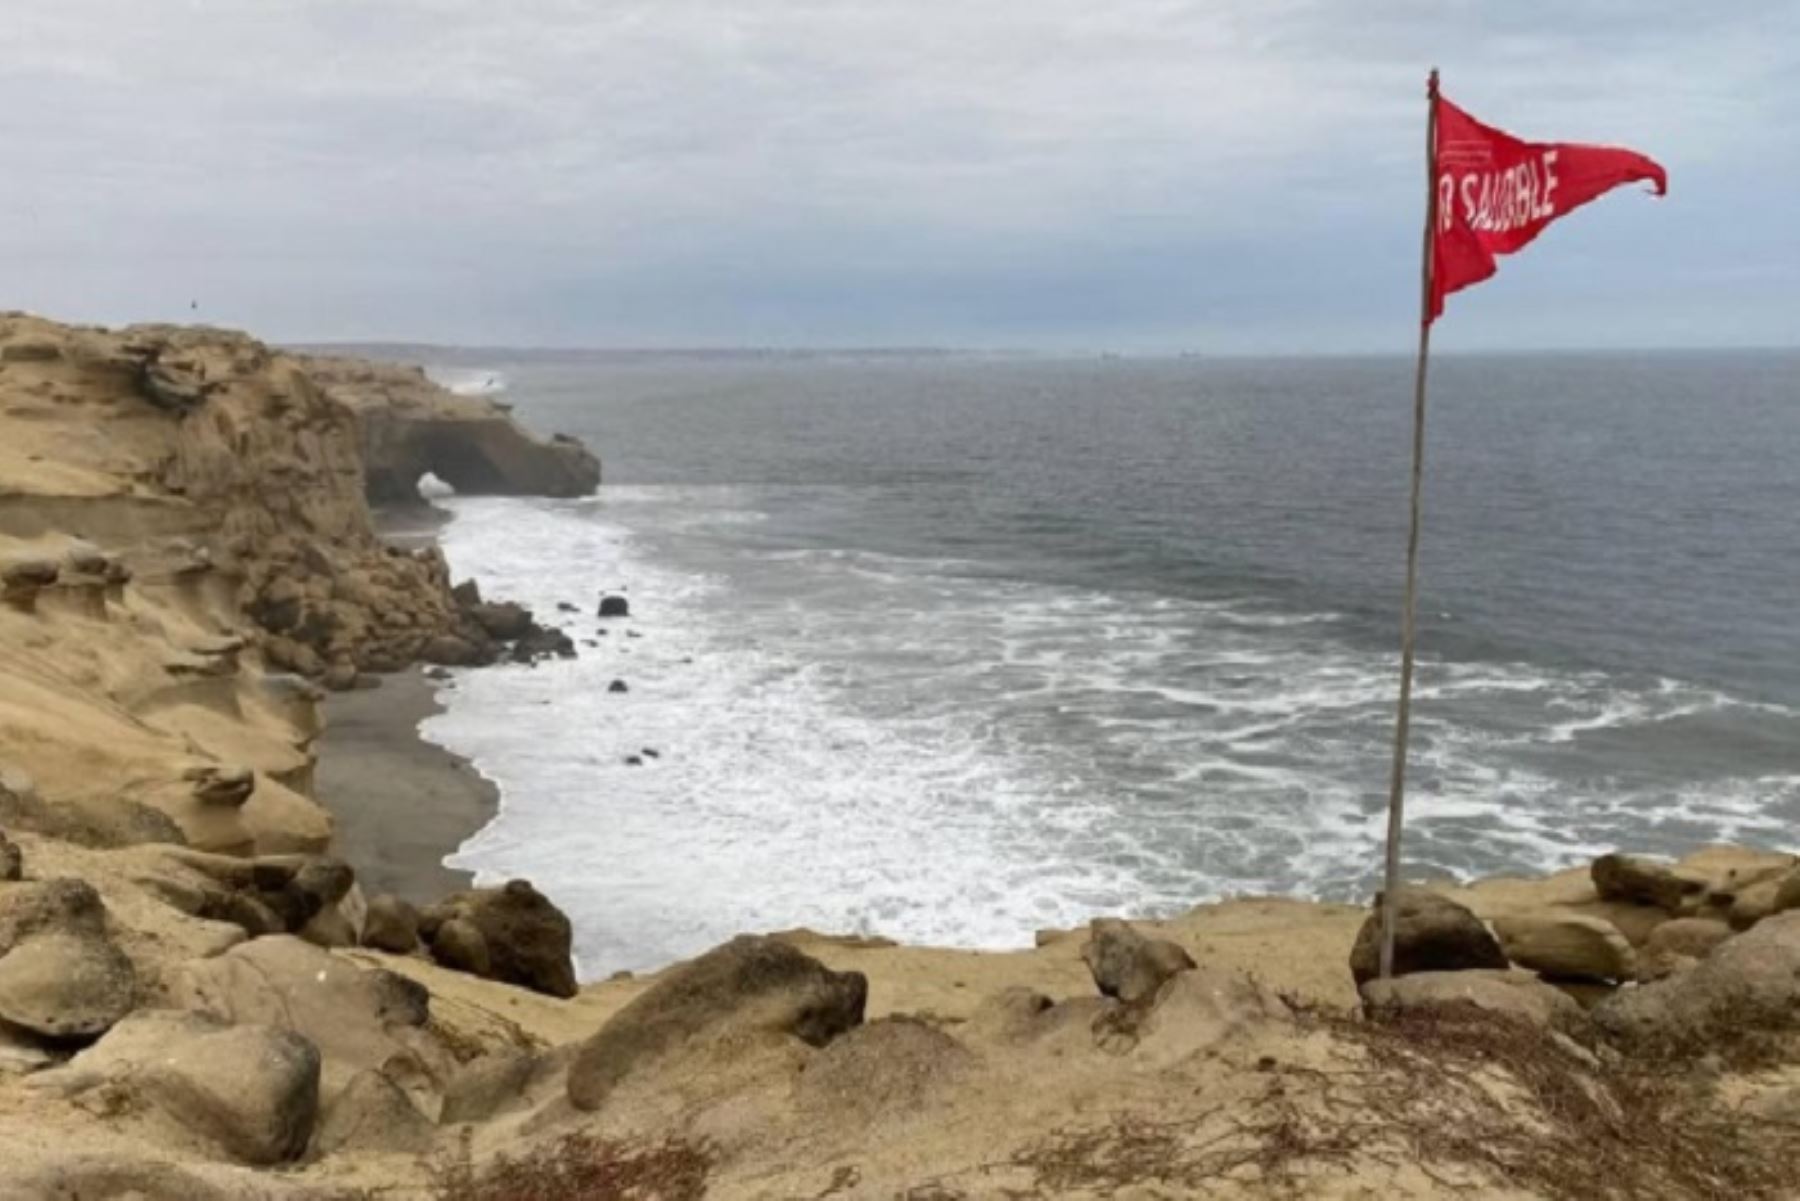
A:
[845,170]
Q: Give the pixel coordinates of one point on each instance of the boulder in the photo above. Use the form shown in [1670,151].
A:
[357,1017]
[252,1090]
[751,984]
[1787,891]
[542,642]
[12,861]
[512,934]
[60,974]
[391,925]
[372,1113]
[1512,993]
[66,985]
[503,619]
[448,650]
[459,946]
[1620,877]
[1127,965]
[618,686]
[1432,933]
[614,606]
[1747,982]
[1566,945]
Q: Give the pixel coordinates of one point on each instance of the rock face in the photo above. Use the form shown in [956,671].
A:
[60,974]
[411,426]
[1512,993]
[1431,934]
[252,1090]
[514,934]
[1127,965]
[750,984]
[1747,982]
[1568,946]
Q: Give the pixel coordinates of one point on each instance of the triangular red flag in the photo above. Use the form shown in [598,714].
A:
[1495,193]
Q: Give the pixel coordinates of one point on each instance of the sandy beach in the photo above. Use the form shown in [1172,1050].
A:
[400,803]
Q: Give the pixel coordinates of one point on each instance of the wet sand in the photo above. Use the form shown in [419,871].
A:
[401,804]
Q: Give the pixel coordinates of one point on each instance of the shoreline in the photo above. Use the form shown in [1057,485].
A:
[401,803]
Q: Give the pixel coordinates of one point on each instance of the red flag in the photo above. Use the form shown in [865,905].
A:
[1496,193]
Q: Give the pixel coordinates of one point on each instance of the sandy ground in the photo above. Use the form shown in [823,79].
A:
[401,804]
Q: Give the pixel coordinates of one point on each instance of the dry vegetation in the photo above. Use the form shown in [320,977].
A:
[581,1168]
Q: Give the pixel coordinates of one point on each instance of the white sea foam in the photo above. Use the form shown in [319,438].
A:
[469,381]
[861,742]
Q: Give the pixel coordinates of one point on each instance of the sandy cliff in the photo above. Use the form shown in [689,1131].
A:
[197,1001]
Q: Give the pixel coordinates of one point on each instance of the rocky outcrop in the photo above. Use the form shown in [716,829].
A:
[411,426]
[512,934]
[749,985]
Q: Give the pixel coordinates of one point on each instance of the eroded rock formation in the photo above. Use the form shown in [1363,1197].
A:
[411,426]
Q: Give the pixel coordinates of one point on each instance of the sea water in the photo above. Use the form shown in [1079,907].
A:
[951,649]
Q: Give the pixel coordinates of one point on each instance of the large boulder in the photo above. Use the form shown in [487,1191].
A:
[61,976]
[251,1090]
[749,985]
[1633,878]
[1432,933]
[1127,965]
[512,934]
[1569,946]
[357,1017]
[1748,982]
[1514,994]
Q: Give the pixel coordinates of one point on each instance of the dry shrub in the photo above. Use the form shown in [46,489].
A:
[579,1167]
[1469,1098]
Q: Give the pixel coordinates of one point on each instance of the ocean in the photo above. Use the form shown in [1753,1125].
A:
[953,648]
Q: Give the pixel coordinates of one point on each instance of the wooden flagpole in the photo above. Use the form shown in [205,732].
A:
[1397,789]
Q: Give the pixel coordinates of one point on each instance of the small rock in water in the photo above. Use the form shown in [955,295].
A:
[601,631]
[652,753]
[614,606]
[617,686]
[633,761]
[566,607]
[632,634]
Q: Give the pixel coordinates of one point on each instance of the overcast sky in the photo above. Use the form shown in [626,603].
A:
[1215,175]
